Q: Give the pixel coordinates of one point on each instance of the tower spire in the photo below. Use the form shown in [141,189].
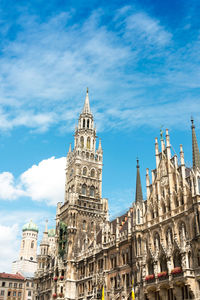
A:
[86,108]
[138,194]
[195,148]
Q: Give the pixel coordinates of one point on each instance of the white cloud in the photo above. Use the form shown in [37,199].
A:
[9,246]
[8,189]
[42,182]
[46,181]
[147,28]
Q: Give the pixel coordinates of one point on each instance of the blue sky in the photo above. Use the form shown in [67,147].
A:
[141,62]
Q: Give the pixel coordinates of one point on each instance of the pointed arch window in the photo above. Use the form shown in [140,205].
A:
[84,225]
[138,216]
[92,226]
[83,123]
[88,123]
[88,143]
[84,189]
[92,173]
[92,191]
[84,171]
[82,141]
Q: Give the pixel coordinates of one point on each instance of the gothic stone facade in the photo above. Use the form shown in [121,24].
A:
[154,246]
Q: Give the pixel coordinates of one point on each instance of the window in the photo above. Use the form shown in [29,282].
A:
[29,293]
[10,284]
[3,283]
[15,285]
[84,171]
[14,294]
[83,123]
[19,294]
[92,173]
[88,123]
[32,244]
[138,216]
[84,224]
[9,293]
[82,142]
[27,284]
[92,191]
[2,293]
[20,285]
[83,189]
[92,226]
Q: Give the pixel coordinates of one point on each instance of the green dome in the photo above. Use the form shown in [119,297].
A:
[30,226]
[51,232]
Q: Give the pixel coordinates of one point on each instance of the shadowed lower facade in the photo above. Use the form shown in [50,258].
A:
[154,247]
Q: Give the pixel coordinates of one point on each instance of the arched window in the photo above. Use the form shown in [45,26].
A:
[32,244]
[177,259]
[176,201]
[138,216]
[92,191]
[156,241]
[169,236]
[83,123]
[88,143]
[182,231]
[92,226]
[83,189]
[88,123]
[92,173]
[182,199]
[163,208]
[150,267]
[84,225]
[84,171]
[23,244]
[82,141]
[139,245]
[163,263]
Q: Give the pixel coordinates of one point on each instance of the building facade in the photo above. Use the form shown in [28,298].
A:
[153,248]
[16,286]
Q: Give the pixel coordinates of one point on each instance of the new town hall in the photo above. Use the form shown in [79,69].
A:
[154,246]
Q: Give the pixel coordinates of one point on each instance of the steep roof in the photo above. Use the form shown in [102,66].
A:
[86,108]
[138,194]
[12,276]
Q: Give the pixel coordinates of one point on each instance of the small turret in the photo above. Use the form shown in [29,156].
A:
[100,150]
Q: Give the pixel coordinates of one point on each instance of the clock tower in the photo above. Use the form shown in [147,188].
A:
[84,211]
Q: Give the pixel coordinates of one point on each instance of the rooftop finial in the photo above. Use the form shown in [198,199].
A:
[86,108]
[161,134]
[192,121]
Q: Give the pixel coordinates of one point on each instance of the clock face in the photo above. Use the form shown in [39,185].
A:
[164,181]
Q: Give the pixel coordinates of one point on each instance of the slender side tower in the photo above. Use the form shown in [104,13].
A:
[84,210]
[27,262]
